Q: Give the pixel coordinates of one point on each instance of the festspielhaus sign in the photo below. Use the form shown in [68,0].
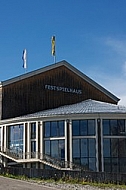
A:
[63,89]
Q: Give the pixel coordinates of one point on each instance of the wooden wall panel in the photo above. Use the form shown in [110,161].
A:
[29,95]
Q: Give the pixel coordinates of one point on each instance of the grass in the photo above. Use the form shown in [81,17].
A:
[66,179]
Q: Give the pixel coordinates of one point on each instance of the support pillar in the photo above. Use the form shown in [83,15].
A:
[28,144]
[66,143]
[41,143]
[70,143]
[37,139]
[5,138]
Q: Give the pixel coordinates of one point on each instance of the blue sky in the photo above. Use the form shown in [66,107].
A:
[90,34]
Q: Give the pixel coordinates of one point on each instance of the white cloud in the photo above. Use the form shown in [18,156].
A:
[113,84]
[117,87]
[119,46]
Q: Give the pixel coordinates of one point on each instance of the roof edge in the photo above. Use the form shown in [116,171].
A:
[92,82]
[32,73]
[69,66]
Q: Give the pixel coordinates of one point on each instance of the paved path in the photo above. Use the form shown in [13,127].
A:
[13,184]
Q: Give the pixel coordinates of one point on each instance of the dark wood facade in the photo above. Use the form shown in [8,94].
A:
[0,101]
[46,90]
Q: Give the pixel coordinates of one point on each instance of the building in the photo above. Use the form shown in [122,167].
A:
[58,117]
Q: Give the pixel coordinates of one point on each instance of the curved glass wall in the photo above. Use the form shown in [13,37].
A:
[33,130]
[83,127]
[114,145]
[53,146]
[54,129]
[15,138]
[33,139]
[84,148]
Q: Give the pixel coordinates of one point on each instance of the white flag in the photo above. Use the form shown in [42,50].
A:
[24,59]
[53,46]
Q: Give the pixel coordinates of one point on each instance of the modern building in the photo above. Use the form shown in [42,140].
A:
[57,117]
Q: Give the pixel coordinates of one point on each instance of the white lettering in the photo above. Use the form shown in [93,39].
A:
[63,89]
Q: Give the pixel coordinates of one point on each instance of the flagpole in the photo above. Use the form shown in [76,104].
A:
[54,58]
[25,70]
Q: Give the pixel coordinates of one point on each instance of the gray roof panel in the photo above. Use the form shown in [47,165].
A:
[85,107]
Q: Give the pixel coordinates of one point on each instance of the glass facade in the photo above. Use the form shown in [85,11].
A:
[84,153]
[114,145]
[33,130]
[54,129]
[84,149]
[54,147]
[94,144]
[33,139]
[83,127]
[113,127]
[33,146]
[15,138]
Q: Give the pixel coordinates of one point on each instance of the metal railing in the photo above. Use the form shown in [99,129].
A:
[21,157]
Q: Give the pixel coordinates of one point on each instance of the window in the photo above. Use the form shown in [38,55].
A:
[83,127]
[122,147]
[54,129]
[107,165]
[92,164]
[91,127]
[114,151]
[47,147]
[122,165]
[75,128]
[85,163]
[114,145]
[84,152]
[114,127]
[91,147]
[15,138]
[33,149]
[106,147]
[33,146]
[55,148]
[47,129]
[61,128]
[84,147]
[76,148]
[106,128]
[33,130]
